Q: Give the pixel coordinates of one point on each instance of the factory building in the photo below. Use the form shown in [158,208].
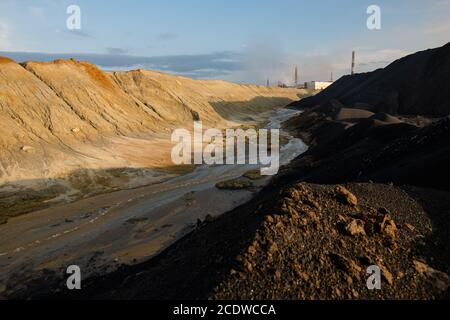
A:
[317,85]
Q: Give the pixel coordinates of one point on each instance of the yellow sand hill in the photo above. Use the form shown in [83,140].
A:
[64,115]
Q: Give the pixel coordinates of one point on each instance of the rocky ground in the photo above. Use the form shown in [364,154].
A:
[323,238]
[312,242]
[373,189]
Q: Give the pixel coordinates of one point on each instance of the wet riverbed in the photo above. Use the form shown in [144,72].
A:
[124,227]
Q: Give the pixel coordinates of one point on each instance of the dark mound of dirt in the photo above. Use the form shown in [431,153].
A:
[418,84]
[318,242]
[379,148]
[313,242]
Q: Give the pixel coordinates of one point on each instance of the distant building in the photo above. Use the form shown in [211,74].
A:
[282,85]
[317,85]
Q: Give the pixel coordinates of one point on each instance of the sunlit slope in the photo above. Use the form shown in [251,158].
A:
[64,115]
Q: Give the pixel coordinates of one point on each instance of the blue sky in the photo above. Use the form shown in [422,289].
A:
[243,41]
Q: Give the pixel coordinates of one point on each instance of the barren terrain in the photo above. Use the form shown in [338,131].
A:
[70,130]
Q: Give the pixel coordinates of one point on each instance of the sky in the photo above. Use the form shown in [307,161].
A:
[237,40]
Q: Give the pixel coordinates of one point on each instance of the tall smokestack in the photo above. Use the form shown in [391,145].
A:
[268,83]
[353,62]
[296,76]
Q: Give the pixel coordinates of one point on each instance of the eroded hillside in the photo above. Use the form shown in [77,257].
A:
[68,122]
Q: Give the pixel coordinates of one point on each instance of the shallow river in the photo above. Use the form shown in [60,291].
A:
[100,233]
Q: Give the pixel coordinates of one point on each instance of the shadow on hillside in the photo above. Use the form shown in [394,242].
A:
[18,197]
[434,246]
[243,110]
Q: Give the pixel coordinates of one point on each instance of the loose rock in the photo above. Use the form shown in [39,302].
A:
[355,228]
[346,197]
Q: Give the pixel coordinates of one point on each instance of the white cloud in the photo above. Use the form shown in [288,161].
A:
[319,65]
[268,60]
